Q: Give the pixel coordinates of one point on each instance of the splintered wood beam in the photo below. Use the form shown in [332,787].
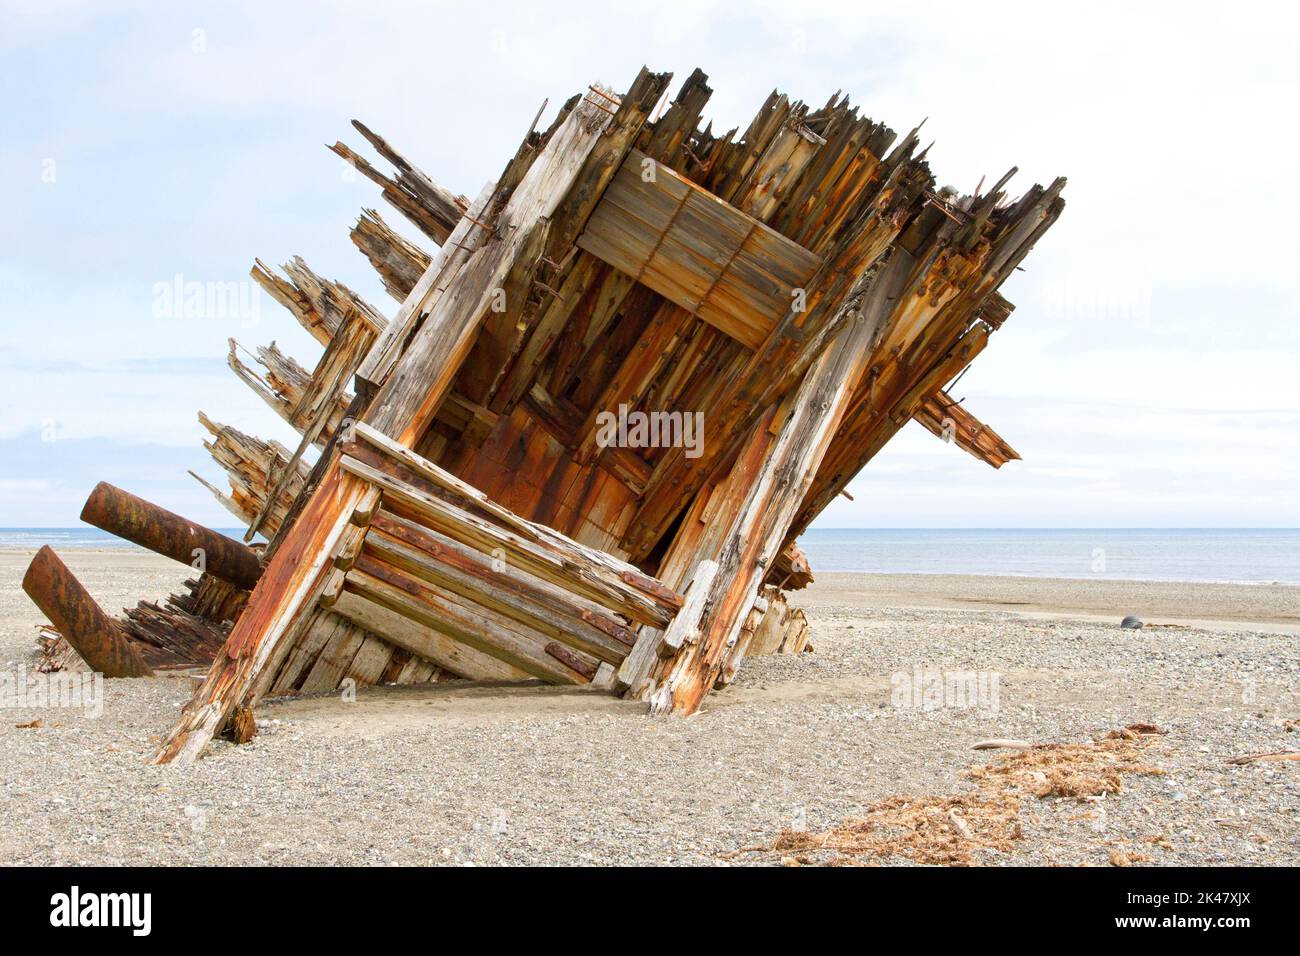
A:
[669,135]
[185,630]
[320,305]
[778,170]
[249,463]
[403,407]
[285,388]
[168,636]
[792,570]
[759,530]
[100,640]
[757,380]
[444,207]
[465,239]
[945,418]
[399,262]
[299,397]
[318,407]
[430,208]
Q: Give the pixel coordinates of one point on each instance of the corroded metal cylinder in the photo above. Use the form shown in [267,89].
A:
[100,640]
[167,533]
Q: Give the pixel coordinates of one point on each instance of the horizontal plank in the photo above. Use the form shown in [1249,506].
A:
[425,643]
[697,251]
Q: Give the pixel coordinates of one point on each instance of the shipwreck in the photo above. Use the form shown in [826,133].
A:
[458,507]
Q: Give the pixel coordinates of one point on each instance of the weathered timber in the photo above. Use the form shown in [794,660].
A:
[399,262]
[792,569]
[562,562]
[783,630]
[951,421]
[496,583]
[833,294]
[403,407]
[320,305]
[186,630]
[287,388]
[432,208]
[465,239]
[167,636]
[250,465]
[318,407]
[696,250]
[594,564]
[476,625]
[805,283]
[759,531]
[367,603]
[654,643]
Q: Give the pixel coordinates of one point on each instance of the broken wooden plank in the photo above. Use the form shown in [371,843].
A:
[951,421]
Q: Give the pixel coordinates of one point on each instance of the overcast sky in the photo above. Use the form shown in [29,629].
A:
[1148,375]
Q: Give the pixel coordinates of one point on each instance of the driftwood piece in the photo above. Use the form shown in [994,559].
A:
[1276,756]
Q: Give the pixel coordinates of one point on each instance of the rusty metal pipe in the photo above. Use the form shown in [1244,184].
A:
[100,640]
[167,533]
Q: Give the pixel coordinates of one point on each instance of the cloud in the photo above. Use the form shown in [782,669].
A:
[45,483]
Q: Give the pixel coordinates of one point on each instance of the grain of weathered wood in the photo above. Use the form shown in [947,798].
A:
[705,255]
[951,421]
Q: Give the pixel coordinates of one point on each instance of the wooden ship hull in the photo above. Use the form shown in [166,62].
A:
[452,510]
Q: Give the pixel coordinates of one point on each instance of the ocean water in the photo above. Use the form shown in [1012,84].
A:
[84,537]
[1255,556]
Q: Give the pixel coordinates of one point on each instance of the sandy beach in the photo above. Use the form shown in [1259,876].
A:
[475,774]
